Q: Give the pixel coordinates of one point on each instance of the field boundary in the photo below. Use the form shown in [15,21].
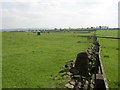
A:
[86,71]
[98,37]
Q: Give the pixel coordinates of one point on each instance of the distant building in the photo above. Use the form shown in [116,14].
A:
[119,14]
[102,27]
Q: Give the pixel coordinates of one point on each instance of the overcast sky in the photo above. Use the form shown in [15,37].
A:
[58,13]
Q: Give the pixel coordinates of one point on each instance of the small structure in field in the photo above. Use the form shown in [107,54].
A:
[38,33]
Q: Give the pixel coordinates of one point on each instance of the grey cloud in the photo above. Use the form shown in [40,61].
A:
[59,13]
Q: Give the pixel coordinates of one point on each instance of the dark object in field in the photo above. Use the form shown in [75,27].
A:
[103,47]
[106,56]
[82,63]
[38,33]
[117,48]
[33,52]
[80,42]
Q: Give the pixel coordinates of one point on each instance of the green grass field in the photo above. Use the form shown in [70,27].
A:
[28,60]
[109,56]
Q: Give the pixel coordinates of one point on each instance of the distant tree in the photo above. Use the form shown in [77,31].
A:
[92,27]
[100,27]
[55,28]
[60,29]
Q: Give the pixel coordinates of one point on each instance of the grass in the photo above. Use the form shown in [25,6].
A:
[110,62]
[109,56]
[29,60]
